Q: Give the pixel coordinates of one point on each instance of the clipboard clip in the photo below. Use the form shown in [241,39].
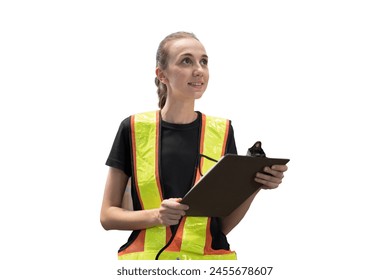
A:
[256,150]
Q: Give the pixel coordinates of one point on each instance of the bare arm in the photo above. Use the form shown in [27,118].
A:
[229,222]
[113,216]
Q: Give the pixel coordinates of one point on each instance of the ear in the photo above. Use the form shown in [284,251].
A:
[160,75]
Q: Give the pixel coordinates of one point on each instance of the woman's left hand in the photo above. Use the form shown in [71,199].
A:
[272,176]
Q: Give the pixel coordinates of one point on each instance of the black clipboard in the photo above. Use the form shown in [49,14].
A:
[227,185]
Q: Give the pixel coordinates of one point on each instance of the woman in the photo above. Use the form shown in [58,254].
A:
[161,152]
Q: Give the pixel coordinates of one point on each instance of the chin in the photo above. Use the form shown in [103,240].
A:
[198,95]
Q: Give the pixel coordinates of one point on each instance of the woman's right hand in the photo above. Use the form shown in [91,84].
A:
[171,211]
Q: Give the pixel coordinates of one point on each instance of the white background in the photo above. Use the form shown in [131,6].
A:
[307,78]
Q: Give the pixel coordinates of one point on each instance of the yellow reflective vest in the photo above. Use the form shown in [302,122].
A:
[192,240]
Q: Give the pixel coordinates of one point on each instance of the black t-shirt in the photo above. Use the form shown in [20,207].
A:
[179,157]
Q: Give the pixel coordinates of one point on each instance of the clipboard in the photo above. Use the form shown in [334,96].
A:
[226,185]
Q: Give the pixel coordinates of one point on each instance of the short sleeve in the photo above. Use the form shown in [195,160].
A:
[231,142]
[120,156]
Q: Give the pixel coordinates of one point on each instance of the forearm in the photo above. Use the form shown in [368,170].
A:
[231,221]
[122,219]
[113,216]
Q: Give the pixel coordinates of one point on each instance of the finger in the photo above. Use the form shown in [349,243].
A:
[169,218]
[172,219]
[176,199]
[269,177]
[178,206]
[175,216]
[170,222]
[184,207]
[281,168]
[171,211]
[170,203]
[268,181]
[267,184]
[273,172]
[175,205]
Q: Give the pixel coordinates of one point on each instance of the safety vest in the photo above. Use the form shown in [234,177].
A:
[192,240]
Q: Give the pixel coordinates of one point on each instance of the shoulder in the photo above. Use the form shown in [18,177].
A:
[140,117]
[125,124]
[219,120]
[210,116]
[146,117]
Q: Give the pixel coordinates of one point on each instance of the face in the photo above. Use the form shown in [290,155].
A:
[187,74]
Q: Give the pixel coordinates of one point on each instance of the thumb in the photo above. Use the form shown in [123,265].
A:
[176,199]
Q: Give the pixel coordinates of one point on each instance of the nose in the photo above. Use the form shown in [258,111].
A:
[198,70]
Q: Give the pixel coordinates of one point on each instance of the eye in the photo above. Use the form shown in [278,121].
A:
[186,61]
[204,61]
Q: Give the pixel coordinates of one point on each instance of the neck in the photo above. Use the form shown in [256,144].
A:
[179,113]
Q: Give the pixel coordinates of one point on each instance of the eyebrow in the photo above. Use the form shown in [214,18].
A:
[189,54]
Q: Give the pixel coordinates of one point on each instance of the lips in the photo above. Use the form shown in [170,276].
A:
[195,84]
